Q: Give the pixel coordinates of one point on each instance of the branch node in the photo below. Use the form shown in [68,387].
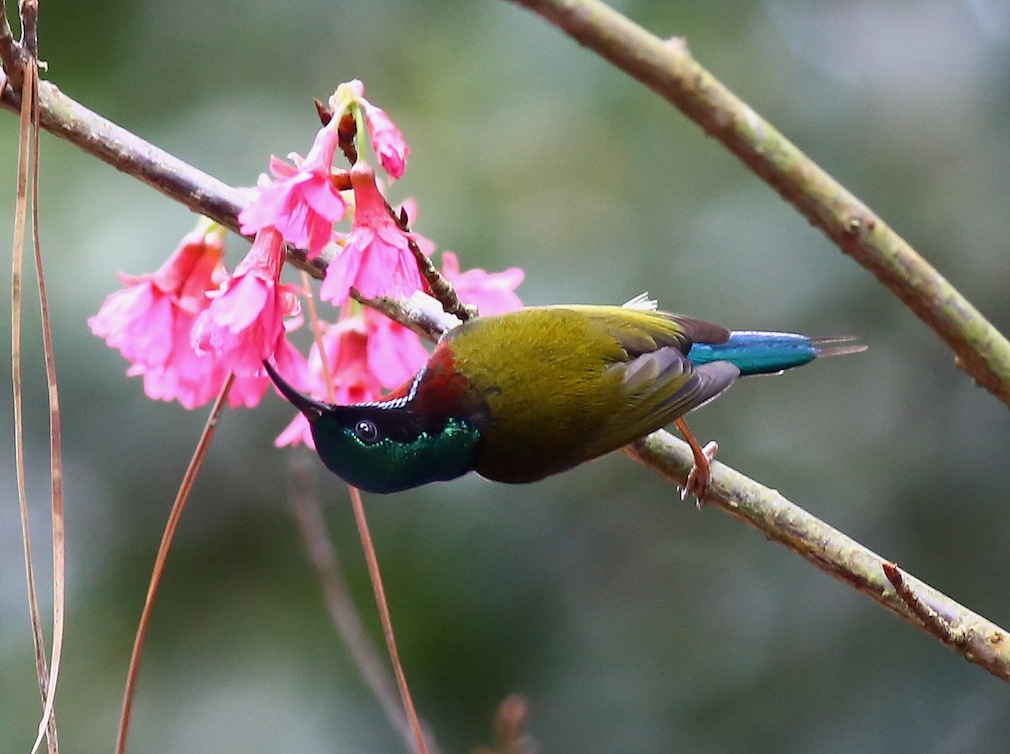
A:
[939,625]
[14,55]
[323,111]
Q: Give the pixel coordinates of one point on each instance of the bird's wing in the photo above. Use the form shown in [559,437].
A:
[669,385]
[658,383]
[639,331]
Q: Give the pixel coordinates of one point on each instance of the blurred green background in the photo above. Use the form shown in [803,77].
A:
[632,622]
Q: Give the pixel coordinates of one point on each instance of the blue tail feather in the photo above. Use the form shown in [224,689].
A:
[757,352]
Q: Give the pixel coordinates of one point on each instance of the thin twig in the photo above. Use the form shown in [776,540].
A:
[441,288]
[340,603]
[20,218]
[159,562]
[668,68]
[48,723]
[28,160]
[387,622]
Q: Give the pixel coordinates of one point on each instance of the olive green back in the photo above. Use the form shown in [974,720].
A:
[560,385]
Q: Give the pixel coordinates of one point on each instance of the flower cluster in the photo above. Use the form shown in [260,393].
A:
[189,325]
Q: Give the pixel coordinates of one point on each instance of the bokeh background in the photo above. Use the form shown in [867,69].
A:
[630,621]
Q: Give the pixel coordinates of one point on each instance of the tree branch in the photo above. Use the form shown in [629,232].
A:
[975,638]
[112,144]
[668,68]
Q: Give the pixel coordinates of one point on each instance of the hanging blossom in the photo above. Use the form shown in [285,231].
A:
[387,140]
[490,292]
[185,327]
[248,318]
[302,203]
[149,321]
[376,259]
[365,352]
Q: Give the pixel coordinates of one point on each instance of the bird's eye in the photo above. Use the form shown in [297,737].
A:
[366,431]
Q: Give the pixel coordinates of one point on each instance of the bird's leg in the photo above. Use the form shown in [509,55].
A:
[700,479]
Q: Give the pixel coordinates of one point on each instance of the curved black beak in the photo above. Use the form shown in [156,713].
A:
[312,409]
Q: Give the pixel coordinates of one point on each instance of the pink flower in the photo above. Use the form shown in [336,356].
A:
[185,375]
[490,292]
[302,203]
[248,390]
[387,140]
[377,260]
[365,352]
[150,320]
[394,354]
[245,321]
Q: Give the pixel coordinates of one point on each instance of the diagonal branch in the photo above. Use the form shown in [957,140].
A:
[668,68]
[176,179]
[975,638]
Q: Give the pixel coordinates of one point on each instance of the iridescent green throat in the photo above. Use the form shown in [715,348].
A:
[388,447]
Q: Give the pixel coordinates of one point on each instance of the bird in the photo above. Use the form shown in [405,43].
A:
[524,395]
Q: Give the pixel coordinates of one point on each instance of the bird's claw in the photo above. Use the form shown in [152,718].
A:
[699,480]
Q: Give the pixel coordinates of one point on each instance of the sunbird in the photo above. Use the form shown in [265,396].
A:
[521,396]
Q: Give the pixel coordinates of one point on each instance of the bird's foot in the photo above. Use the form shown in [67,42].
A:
[699,481]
